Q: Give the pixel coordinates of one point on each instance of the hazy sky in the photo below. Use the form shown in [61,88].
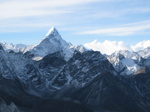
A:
[91,22]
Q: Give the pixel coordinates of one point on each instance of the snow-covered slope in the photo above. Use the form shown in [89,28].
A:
[127,63]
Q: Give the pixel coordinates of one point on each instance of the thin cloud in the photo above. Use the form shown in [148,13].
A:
[15,9]
[23,8]
[138,10]
[125,30]
[17,14]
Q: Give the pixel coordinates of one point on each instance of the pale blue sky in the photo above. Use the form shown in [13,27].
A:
[78,21]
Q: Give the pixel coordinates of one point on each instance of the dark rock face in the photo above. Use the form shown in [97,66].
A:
[55,60]
[141,84]
[79,70]
[12,91]
[1,47]
[108,93]
[82,68]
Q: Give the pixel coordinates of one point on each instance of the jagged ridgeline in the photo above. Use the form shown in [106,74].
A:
[55,76]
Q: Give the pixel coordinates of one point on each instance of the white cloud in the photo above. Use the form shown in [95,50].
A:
[125,30]
[106,47]
[109,47]
[141,45]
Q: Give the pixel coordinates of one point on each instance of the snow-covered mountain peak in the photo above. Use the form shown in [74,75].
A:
[52,43]
[53,31]
[54,37]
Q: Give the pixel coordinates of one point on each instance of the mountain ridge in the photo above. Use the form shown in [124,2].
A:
[73,76]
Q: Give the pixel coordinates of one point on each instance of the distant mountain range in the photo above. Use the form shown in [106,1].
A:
[55,76]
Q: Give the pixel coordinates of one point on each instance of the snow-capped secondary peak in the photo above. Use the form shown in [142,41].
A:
[16,47]
[145,53]
[79,48]
[125,62]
